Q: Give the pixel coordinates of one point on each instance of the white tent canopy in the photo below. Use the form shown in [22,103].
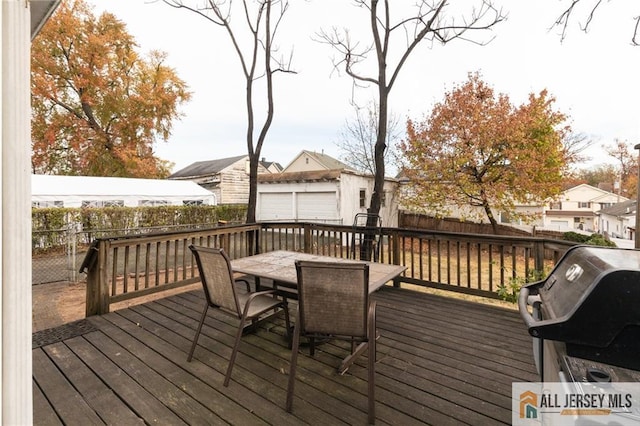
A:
[90,191]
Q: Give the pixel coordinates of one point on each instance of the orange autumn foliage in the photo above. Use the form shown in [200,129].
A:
[479,154]
[98,105]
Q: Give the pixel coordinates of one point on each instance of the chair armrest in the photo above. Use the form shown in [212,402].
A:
[371,321]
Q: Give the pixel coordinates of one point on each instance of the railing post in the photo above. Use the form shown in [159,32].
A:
[394,244]
[307,237]
[538,255]
[97,302]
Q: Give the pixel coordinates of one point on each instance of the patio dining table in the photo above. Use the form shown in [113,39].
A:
[279,266]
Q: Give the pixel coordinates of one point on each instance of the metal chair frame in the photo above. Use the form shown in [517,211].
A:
[221,293]
[333,300]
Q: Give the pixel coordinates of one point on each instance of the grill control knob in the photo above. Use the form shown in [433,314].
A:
[574,272]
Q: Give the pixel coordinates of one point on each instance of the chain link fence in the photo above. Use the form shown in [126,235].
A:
[57,254]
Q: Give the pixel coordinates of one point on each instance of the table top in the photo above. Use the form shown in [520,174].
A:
[280,266]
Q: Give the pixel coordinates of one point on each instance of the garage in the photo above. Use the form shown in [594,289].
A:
[318,206]
[322,196]
[276,206]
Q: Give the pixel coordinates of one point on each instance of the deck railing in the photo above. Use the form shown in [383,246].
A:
[123,268]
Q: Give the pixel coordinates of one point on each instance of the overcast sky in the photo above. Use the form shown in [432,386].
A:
[593,76]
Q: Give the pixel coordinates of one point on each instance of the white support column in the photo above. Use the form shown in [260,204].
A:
[15,207]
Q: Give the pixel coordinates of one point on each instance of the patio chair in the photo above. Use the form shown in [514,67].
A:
[333,300]
[366,241]
[221,293]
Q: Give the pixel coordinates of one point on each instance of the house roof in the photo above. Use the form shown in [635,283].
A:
[313,176]
[40,11]
[602,194]
[78,188]
[268,164]
[306,176]
[206,168]
[326,161]
[569,213]
[624,208]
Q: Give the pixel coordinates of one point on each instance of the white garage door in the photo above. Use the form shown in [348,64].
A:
[317,206]
[276,206]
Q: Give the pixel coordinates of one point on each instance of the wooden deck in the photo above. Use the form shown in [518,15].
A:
[440,361]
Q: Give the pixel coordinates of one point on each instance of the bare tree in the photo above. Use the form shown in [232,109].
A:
[359,138]
[261,29]
[589,11]
[434,21]
[576,144]
[627,165]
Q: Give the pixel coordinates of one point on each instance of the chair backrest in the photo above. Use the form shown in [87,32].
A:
[333,298]
[217,277]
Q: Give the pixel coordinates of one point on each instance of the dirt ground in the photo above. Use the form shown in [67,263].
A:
[56,304]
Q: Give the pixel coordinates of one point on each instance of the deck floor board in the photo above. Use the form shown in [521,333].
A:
[439,361]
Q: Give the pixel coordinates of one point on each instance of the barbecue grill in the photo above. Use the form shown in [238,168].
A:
[585,316]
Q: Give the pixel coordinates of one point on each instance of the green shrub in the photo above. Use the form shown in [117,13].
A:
[509,292]
[125,218]
[592,240]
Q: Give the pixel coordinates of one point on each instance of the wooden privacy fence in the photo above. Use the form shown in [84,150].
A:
[123,268]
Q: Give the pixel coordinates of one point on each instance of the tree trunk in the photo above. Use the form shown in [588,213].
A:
[492,219]
[253,187]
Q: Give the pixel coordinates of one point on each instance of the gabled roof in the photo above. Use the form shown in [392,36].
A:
[326,161]
[624,208]
[206,168]
[268,164]
[601,193]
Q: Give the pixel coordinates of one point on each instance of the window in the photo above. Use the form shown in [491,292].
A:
[46,204]
[584,205]
[555,206]
[152,203]
[363,198]
[383,199]
[102,203]
[193,202]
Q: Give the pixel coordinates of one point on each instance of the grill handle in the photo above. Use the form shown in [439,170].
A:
[524,300]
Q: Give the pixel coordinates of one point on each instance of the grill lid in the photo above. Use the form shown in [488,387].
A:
[592,297]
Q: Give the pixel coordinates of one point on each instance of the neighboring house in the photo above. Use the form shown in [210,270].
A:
[328,196]
[577,207]
[308,161]
[92,191]
[227,178]
[619,220]
[271,166]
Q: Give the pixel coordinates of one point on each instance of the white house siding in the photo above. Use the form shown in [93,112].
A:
[304,163]
[576,208]
[234,184]
[350,187]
